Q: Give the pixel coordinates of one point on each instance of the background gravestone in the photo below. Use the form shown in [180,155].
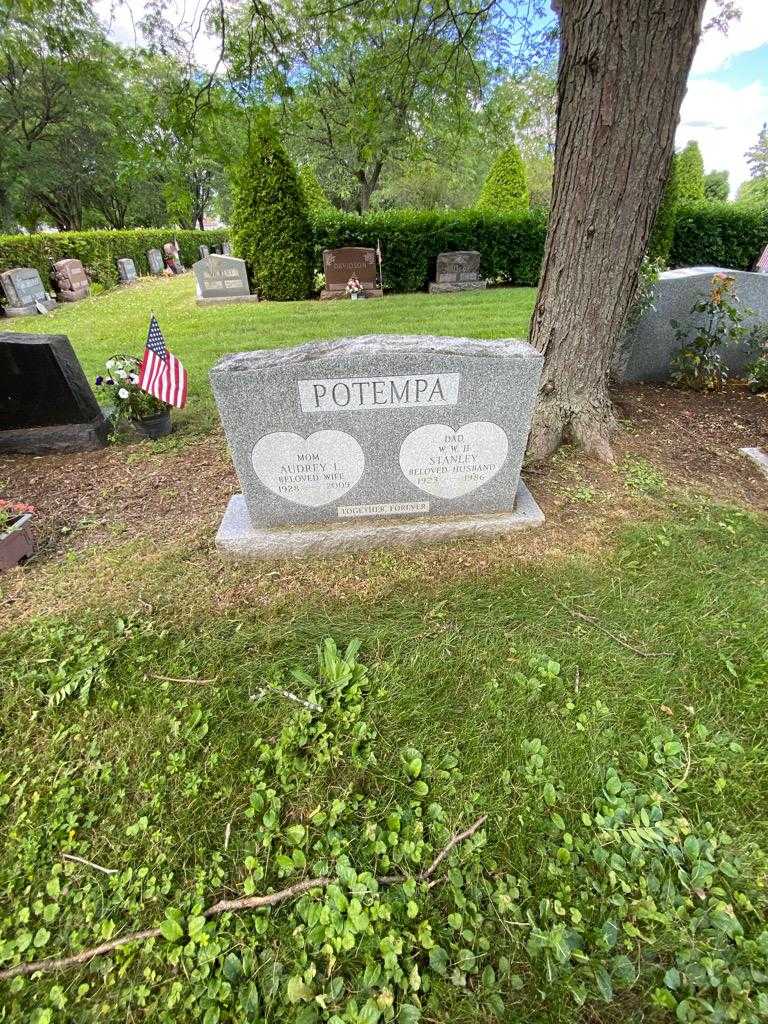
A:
[204,251]
[341,264]
[126,269]
[221,279]
[23,290]
[70,280]
[172,258]
[646,351]
[226,249]
[457,272]
[376,440]
[46,403]
[155,260]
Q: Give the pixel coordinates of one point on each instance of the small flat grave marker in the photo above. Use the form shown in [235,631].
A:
[339,265]
[376,440]
[46,403]
[221,279]
[457,272]
[24,292]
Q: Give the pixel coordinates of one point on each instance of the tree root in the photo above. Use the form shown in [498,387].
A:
[242,903]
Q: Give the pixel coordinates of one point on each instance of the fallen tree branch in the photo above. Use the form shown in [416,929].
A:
[597,625]
[88,863]
[241,903]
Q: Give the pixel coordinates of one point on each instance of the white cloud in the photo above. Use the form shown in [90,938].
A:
[716,50]
[725,122]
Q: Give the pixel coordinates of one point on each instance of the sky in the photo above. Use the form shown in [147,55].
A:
[724,108]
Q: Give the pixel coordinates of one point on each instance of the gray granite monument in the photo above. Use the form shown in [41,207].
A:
[374,441]
[646,351]
[46,403]
[226,249]
[204,251]
[339,265]
[71,280]
[24,292]
[126,270]
[457,272]
[221,279]
[155,261]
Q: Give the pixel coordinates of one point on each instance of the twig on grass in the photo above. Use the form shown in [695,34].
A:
[264,690]
[183,679]
[597,625]
[88,863]
[241,903]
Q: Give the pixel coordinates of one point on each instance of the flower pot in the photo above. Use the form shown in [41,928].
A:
[18,542]
[154,426]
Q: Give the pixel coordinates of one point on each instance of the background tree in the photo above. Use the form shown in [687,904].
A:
[757,156]
[270,219]
[621,81]
[505,190]
[663,231]
[716,186]
[755,190]
[690,175]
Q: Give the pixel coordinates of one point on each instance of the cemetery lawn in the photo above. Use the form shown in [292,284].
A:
[117,322]
[597,688]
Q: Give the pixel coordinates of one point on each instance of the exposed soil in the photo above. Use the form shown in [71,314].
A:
[172,498]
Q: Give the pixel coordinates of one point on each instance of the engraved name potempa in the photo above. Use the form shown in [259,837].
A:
[350,393]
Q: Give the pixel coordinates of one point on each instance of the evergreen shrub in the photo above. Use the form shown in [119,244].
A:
[505,190]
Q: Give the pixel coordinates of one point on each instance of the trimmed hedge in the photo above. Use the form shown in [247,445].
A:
[721,234]
[99,251]
[512,245]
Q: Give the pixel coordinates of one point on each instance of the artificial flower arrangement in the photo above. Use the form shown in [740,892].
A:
[120,387]
[354,289]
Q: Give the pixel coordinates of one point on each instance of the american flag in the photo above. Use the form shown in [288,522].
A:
[161,374]
[762,263]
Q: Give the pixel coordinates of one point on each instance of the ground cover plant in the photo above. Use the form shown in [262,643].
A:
[619,874]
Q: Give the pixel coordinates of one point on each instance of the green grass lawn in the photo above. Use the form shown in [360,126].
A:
[606,712]
[117,321]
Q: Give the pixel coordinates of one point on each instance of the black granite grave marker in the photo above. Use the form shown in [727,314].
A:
[46,403]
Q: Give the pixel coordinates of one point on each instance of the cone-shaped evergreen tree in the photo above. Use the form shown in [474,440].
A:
[690,175]
[505,190]
[270,219]
[313,190]
[663,233]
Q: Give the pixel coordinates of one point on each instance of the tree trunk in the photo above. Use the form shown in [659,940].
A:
[621,80]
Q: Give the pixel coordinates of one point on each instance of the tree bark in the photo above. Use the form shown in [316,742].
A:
[621,80]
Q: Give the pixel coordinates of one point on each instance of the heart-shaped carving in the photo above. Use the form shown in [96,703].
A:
[313,472]
[450,463]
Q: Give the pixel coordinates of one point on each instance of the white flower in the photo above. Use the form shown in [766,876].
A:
[122,393]
[121,374]
[133,377]
[110,363]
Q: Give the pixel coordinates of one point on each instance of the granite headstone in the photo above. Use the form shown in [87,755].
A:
[23,290]
[226,249]
[155,261]
[70,280]
[204,251]
[457,272]
[126,269]
[647,350]
[339,265]
[221,279]
[173,258]
[384,439]
[46,403]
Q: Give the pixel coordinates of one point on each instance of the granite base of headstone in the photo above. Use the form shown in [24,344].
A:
[126,270]
[70,280]
[24,292]
[46,403]
[221,280]
[457,272]
[339,265]
[155,261]
[376,441]
[645,353]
